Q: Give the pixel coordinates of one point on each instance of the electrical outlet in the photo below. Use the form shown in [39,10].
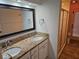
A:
[41,21]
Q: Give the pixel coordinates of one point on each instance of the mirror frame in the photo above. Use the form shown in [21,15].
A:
[18,32]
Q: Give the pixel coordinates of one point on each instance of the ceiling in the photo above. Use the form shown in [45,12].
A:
[35,1]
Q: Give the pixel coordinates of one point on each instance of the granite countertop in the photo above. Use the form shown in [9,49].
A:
[27,44]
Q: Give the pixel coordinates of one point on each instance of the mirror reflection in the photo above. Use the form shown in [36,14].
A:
[14,20]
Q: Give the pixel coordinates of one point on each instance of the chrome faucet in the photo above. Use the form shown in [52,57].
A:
[6,44]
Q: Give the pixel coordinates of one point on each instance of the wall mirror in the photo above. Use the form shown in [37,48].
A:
[14,20]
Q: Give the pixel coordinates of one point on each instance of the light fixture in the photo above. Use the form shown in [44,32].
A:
[74,1]
[18,0]
[29,4]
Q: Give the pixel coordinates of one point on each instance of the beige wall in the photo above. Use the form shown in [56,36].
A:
[49,11]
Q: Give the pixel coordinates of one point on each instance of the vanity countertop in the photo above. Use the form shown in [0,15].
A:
[27,44]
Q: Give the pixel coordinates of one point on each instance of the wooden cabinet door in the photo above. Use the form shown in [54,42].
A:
[43,50]
[41,53]
[63,29]
[60,31]
[26,56]
[34,53]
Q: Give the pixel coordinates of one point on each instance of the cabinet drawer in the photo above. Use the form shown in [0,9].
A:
[43,43]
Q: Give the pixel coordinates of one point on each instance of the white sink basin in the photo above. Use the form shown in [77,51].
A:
[35,39]
[11,52]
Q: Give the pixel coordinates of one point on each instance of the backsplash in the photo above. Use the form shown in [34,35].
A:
[15,40]
[10,42]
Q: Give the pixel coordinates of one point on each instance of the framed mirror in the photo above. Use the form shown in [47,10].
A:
[15,20]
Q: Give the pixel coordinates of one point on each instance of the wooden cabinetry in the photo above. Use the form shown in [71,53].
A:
[43,50]
[34,53]
[63,29]
[26,56]
[39,52]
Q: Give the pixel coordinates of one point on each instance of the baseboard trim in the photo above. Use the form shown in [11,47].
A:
[61,50]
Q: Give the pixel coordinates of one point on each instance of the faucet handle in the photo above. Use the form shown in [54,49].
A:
[5,44]
[9,42]
[2,45]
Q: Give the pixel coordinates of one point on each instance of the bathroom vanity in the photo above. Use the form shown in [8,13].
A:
[34,47]
[16,21]
[38,52]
